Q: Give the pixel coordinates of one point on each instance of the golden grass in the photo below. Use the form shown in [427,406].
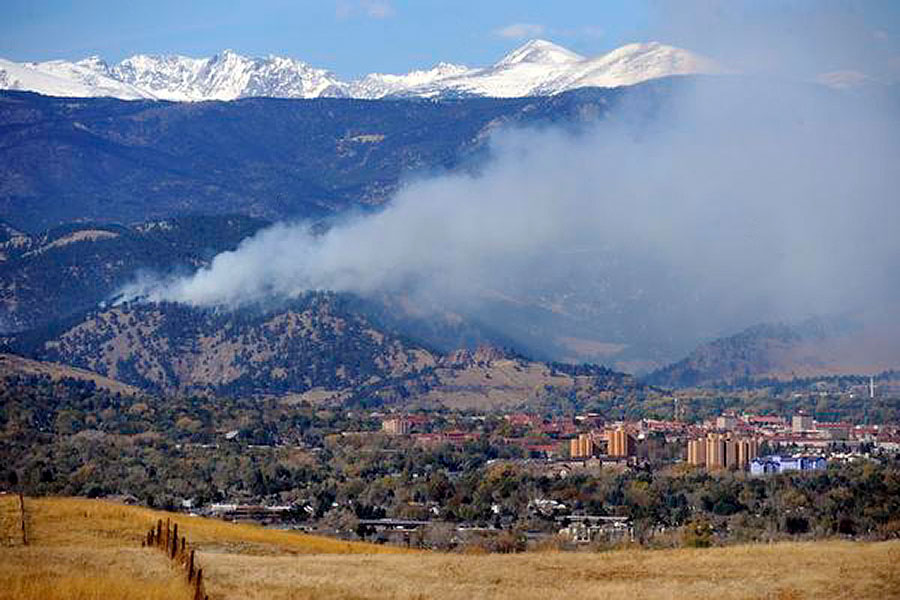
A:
[72,521]
[90,549]
[77,573]
[85,549]
[781,571]
[76,553]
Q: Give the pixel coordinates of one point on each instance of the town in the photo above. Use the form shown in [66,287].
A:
[658,469]
[578,448]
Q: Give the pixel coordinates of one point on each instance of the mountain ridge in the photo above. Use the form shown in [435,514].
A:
[814,347]
[538,67]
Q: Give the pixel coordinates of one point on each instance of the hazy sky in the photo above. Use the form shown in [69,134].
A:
[354,37]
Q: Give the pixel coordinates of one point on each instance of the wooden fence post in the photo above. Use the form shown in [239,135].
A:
[22,514]
[198,585]
[181,552]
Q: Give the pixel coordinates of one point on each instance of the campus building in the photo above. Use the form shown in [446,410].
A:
[396,425]
[621,443]
[722,451]
[781,464]
[582,446]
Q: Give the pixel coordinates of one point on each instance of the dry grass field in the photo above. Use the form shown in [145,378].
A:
[88,549]
[781,571]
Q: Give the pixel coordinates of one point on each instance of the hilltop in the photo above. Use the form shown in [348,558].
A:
[815,347]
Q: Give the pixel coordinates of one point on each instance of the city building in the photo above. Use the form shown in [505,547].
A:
[726,422]
[582,446]
[802,422]
[396,425]
[747,450]
[781,464]
[583,529]
[715,451]
[722,451]
[697,452]
[621,443]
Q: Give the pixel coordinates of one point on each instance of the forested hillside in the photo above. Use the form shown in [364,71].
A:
[72,268]
[101,159]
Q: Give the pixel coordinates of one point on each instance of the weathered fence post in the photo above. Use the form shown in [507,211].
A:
[181,552]
[198,585]
[22,514]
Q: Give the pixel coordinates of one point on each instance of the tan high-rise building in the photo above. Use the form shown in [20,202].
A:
[582,446]
[620,443]
[715,451]
[747,450]
[731,453]
[722,451]
[697,452]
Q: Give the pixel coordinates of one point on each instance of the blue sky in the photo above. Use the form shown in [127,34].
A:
[354,37]
[350,37]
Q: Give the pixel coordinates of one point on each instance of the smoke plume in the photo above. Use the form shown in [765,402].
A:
[743,199]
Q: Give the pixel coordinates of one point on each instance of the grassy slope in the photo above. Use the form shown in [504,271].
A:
[86,549]
[75,553]
[75,540]
[10,364]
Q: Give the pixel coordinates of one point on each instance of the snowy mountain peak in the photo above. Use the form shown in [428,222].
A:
[538,67]
[94,63]
[540,52]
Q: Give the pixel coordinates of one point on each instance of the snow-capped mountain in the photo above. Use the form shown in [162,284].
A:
[83,79]
[226,76]
[537,68]
[378,85]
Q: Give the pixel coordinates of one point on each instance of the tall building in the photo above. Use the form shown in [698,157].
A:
[396,425]
[620,443]
[747,450]
[802,422]
[723,451]
[697,452]
[731,453]
[582,446]
[715,451]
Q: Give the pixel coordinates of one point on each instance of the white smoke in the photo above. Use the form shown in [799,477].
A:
[743,200]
